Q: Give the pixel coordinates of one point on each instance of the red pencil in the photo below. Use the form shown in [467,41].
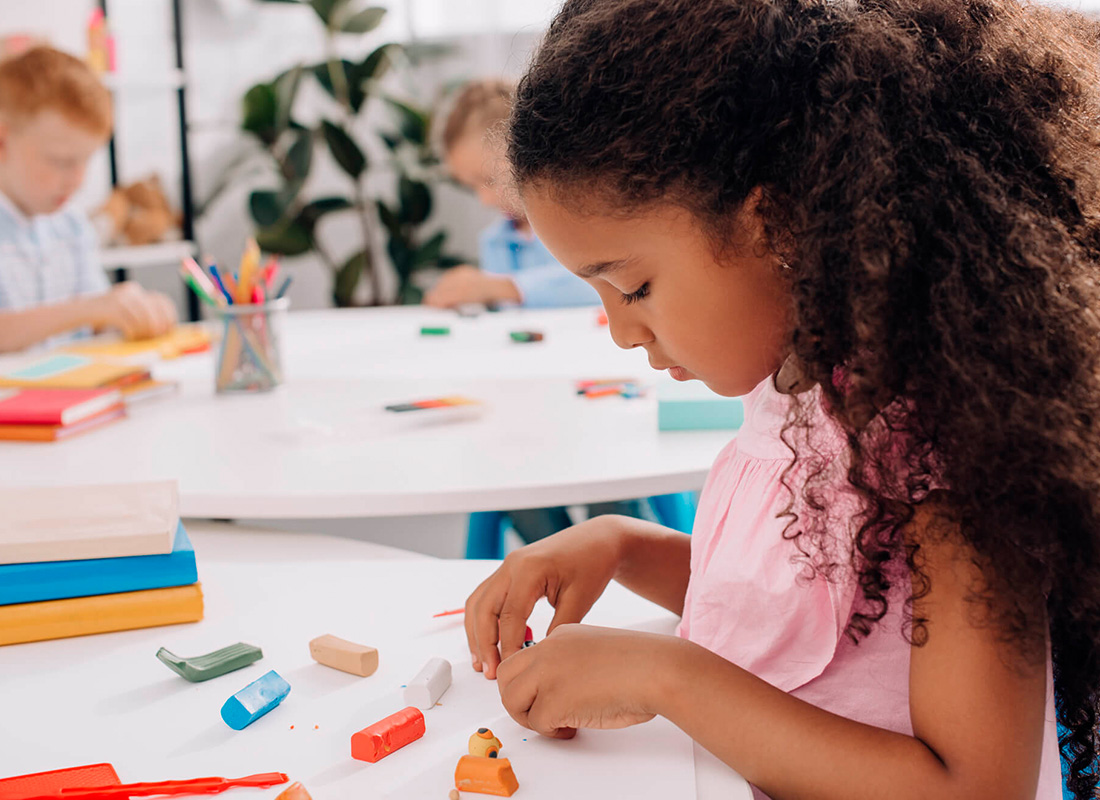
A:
[449,613]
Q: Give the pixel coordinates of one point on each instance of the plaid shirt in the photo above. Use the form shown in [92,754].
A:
[46,259]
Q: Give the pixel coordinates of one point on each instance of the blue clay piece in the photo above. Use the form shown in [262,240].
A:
[254,700]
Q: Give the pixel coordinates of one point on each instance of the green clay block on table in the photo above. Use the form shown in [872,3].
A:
[435,331]
[203,668]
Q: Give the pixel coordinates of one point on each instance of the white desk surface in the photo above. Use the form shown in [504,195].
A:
[322,447]
[107,698]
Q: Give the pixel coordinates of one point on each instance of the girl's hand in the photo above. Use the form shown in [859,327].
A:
[570,569]
[581,676]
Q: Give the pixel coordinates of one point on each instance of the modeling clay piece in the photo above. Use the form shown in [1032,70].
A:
[526,336]
[377,741]
[332,651]
[435,331]
[483,743]
[430,683]
[211,665]
[528,638]
[486,776]
[254,700]
[294,792]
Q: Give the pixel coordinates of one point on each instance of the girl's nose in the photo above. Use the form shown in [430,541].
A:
[626,333]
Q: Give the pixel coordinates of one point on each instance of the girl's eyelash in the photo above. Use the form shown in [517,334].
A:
[635,296]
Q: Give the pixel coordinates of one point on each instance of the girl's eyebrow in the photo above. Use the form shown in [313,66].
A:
[602,267]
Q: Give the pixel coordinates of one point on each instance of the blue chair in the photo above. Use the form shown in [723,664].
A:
[485,532]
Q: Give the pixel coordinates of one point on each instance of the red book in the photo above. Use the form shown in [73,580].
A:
[54,406]
[54,433]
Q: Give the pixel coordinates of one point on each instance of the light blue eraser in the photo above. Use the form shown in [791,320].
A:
[693,407]
[254,700]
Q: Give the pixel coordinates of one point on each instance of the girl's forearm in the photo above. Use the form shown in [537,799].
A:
[655,562]
[792,749]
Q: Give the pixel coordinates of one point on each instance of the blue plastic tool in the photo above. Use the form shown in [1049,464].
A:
[254,700]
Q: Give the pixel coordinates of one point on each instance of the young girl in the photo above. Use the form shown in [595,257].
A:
[878,221]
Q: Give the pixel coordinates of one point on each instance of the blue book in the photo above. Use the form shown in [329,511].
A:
[55,580]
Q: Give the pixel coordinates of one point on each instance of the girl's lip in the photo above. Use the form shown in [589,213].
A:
[678,373]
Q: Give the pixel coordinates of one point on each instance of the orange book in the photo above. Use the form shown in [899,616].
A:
[80,616]
[54,433]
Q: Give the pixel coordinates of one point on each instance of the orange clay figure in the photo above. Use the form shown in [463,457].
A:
[294,792]
[486,776]
[483,743]
[377,741]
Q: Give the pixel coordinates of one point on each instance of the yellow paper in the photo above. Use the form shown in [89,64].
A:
[181,340]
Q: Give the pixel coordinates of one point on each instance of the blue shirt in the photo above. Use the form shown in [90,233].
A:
[48,258]
[542,281]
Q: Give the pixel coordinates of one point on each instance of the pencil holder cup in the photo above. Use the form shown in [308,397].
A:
[250,356]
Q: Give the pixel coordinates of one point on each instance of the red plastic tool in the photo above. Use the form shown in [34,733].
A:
[194,786]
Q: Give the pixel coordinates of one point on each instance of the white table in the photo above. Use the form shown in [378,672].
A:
[106,698]
[322,447]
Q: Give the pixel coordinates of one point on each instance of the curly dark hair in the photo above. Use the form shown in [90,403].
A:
[930,170]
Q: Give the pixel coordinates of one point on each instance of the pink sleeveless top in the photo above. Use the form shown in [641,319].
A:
[749,599]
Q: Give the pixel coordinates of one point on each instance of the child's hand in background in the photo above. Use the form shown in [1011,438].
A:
[136,312]
[468,284]
[570,569]
[581,676]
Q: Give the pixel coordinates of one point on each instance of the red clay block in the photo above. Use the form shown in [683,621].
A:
[377,741]
[486,776]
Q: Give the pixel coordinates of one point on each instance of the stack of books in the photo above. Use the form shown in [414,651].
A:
[46,415]
[72,371]
[93,559]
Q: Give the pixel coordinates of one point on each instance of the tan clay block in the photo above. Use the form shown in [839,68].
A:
[345,656]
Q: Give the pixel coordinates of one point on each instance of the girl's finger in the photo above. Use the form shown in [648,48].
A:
[541,719]
[515,611]
[569,609]
[518,686]
[486,625]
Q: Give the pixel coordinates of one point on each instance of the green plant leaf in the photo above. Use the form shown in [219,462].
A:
[356,95]
[344,149]
[401,256]
[389,219]
[316,209]
[328,10]
[420,52]
[446,262]
[410,295]
[286,89]
[364,21]
[347,278]
[266,207]
[428,253]
[375,65]
[416,200]
[412,122]
[299,158]
[288,239]
[258,112]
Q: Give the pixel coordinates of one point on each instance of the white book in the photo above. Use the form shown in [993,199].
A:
[72,523]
